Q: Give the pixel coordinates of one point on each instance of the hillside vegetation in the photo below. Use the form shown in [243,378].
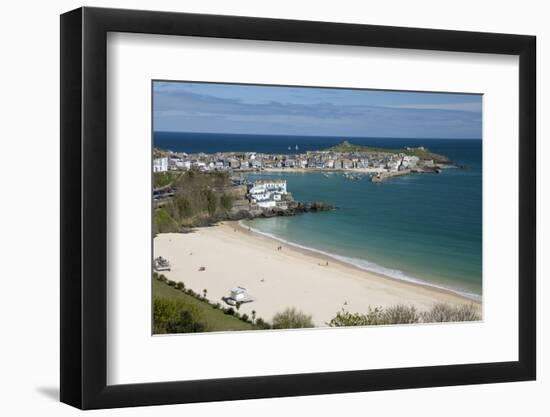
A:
[177,309]
[199,197]
[174,311]
[422,153]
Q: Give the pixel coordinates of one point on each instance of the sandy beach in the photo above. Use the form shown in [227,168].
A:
[287,277]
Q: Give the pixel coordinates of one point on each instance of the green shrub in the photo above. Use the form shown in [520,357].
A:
[186,324]
[211,202]
[175,316]
[163,222]
[180,285]
[292,319]
[226,201]
[262,324]
[229,311]
[442,312]
[184,206]
[401,314]
[345,318]
[468,313]
[161,179]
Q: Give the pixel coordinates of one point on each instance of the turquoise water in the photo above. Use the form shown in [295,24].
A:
[424,227]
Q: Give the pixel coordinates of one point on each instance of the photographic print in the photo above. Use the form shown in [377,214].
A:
[285,207]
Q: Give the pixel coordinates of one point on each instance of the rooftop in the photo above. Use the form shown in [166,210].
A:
[270,181]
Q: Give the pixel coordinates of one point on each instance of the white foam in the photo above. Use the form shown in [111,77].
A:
[368,266]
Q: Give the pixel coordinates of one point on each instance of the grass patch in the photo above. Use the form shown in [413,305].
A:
[346,147]
[214,319]
[163,222]
[161,179]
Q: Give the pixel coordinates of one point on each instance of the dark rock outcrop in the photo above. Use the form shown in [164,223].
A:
[293,208]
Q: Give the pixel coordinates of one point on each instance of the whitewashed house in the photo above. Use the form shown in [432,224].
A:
[272,186]
[181,163]
[160,164]
[266,193]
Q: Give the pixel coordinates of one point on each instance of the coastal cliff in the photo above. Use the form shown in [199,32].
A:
[195,199]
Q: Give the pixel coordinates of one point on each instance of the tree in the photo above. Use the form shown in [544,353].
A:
[185,324]
[260,323]
[292,319]
[204,292]
[175,316]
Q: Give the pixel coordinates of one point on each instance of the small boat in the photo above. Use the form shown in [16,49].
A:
[296,147]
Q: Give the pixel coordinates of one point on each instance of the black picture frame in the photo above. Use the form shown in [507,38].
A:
[84,207]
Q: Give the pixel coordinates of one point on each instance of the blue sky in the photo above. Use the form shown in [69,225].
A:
[256,109]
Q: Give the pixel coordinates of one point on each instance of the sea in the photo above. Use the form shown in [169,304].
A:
[424,228]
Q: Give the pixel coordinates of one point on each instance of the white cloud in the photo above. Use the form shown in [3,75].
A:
[470,107]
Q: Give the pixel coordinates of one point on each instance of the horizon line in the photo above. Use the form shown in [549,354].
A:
[317,136]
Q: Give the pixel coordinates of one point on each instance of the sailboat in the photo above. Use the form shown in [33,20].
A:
[296,147]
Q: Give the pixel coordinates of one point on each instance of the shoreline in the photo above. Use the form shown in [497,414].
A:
[476,298]
[279,275]
[323,170]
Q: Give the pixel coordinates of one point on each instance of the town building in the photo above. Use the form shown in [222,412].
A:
[160,164]
[267,193]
